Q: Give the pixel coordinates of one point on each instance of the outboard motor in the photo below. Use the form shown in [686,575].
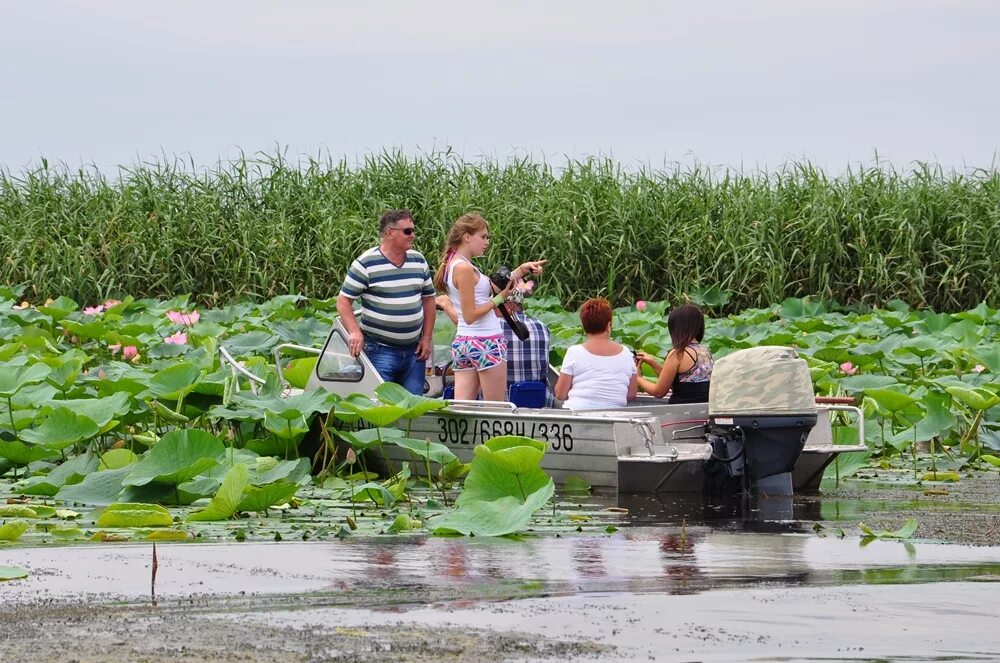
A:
[761,408]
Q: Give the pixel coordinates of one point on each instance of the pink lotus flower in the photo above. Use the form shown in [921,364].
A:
[114,349]
[978,368]
[180,338]
[130,353]
[847,368]
[181,318]
[640,305]
[94,310]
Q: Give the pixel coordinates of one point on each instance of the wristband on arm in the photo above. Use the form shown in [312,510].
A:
[497,300]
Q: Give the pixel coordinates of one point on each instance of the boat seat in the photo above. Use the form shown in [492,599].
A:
[530,393]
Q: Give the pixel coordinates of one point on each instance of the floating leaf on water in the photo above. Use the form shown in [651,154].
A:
[952,477]
[168,535]
[135,515]
[13,529]
[904,532]
[991,459]
[575,484]
[17,511]
[12,573]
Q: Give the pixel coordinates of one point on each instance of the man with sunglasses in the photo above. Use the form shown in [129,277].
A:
[393,284]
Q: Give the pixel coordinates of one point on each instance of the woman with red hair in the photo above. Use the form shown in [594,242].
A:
[598,374]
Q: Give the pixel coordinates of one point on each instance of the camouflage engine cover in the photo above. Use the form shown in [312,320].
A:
[766,380]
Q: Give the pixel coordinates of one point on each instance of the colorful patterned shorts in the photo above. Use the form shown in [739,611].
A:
[478,353]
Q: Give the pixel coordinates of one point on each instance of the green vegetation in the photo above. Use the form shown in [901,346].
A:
[264,227]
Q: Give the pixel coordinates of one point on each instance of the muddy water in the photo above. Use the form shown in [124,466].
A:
[677,581]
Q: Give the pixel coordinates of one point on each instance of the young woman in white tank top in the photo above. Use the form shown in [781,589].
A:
[479,351]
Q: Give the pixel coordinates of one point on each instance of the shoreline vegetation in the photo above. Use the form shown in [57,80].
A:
[262,226]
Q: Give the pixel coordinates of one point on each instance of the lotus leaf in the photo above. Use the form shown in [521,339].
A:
[62,428]
[373,491]
[21,454]
[989,355]
[168,535]
[227,500]
[13,529]
[855,383]
[500,517]
[297,371]
[178,456]
[97,488]
[90,330]
[403,523]
[116,459]
[71,472]
[435,452]
[260,499]
[67,533]
[504,466]
[257,342]
[175,382]
[377,414]
[976,399]
[294,471]
[135,515]
[287,425]
[59,308]
[17,511]
[890,400]
[391,393]
[13,378]
[367,438]
[99,410]
[904,532]
[12,573]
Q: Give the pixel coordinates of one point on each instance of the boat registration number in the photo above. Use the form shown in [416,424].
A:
[476,431]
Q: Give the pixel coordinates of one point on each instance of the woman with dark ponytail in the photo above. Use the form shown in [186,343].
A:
[686,371]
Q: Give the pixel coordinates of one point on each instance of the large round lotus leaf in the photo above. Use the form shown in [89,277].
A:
[63,428]
[499,517]
[59,308]
[855,383]
[178,456]
[135,515]
[97,488]
[512,452]
[13,378]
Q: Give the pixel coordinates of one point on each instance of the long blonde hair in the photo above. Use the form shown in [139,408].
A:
[467,223]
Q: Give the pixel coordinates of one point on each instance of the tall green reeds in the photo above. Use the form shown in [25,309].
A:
[262,226]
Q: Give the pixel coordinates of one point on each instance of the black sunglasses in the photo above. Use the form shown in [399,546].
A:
[407,231]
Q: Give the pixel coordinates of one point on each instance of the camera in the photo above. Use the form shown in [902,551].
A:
[501,277]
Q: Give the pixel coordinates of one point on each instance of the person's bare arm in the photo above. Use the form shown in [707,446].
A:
[563,385]
[633,387]
[355,338]
[426,343]
[444,303]
[660,388]
[464,278]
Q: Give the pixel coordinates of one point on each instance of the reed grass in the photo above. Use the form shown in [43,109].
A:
[263,226]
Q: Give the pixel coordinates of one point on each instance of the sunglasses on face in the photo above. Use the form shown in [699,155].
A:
[406,231]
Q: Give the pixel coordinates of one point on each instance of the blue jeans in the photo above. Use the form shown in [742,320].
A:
[398,364]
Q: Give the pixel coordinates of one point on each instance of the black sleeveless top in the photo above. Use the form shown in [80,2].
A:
[692,385]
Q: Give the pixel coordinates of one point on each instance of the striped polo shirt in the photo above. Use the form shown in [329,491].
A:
[391,297]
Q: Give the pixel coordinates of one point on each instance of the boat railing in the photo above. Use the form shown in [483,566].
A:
[861,419]
[238,369]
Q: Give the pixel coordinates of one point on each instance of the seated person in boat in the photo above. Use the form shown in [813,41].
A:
[527,360]
[687,369]
[598,373]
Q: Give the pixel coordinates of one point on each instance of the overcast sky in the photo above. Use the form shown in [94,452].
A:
[745,83]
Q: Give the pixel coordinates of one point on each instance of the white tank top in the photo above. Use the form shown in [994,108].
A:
[489,324]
